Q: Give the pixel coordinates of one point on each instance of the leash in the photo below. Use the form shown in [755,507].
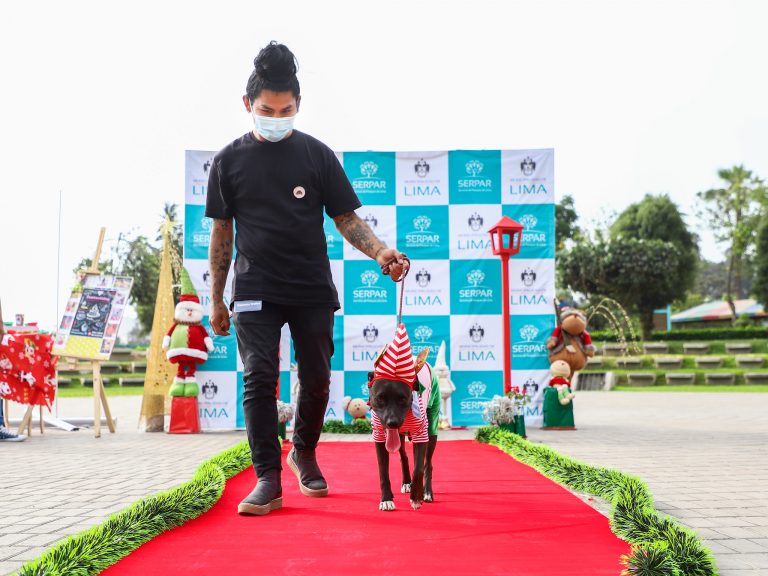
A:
[406,269]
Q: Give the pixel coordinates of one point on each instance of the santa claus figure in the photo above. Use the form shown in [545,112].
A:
[187,343]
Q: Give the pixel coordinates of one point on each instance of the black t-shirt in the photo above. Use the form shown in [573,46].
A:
[276,193]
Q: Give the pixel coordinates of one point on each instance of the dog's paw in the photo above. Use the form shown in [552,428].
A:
[387,505]
[428,497]
[405,489]
[416,504]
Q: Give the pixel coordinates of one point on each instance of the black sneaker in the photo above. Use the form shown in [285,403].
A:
[8,436]
[304,465]
[266,497]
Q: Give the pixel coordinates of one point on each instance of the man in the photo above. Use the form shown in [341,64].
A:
[275,182]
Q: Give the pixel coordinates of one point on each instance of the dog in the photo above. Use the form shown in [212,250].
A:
[397,405]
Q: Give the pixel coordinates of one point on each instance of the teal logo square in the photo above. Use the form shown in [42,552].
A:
[473,390]
[337,360]
[538,222]
[423,232]
[333,239]
[239,414]
[427,332]
[529,335]
[223,357]
[475,287]
[197,232]
[366,289]
[372,175]
[474,176]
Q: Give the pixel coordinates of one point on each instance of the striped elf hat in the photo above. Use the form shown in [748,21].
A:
[396,362]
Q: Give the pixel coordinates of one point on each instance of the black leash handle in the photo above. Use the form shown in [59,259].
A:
[406,269]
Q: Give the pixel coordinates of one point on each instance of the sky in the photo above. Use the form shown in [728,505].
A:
[99,102]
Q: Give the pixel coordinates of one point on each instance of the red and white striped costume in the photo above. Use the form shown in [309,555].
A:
[397,364]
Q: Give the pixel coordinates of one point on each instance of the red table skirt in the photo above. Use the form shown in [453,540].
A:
[27,368]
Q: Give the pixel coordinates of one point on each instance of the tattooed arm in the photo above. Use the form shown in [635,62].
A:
[360,235]
[219,260]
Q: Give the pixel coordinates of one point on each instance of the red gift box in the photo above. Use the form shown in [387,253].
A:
[185,417]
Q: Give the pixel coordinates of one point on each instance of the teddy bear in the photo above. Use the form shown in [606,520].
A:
[570,341]
[560,371]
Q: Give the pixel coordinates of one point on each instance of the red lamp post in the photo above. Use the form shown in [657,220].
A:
[505,242]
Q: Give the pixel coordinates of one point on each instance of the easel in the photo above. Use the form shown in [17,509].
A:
[99,394]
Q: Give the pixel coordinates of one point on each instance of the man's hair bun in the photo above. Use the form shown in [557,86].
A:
[275,62]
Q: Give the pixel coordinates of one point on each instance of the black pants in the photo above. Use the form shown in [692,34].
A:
[258,339]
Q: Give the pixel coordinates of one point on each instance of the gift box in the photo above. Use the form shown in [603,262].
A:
[185,416]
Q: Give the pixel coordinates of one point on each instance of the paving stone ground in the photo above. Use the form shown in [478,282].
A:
[704,456]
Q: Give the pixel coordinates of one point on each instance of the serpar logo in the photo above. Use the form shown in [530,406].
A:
[364,390]
[475,403]
[475,291]
[203,238]
[528,346]
[369,169]
[475,222]
[371,221]
[369,293]
[422,237]
[529,332]
[528,277]
[474,167]
[423,278]
[368,182]
[527,166]
[532,238]
[421,168]
[476,333]
[422,333]
[475,277]
[210,389]
[370,333]
[476,389]
[369,278]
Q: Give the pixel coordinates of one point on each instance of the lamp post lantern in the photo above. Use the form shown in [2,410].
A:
[505,242]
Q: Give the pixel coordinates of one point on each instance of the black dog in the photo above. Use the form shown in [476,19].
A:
[391,400]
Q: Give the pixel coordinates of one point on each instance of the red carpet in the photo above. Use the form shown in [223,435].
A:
[492,515]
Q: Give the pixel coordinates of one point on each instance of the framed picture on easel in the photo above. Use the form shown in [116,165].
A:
[89,326]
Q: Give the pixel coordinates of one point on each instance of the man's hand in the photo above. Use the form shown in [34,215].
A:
[219,318]
[397,263]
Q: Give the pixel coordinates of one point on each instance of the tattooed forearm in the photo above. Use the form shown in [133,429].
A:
[359,234]
[220,256]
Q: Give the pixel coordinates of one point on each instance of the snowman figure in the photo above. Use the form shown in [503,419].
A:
[187,343]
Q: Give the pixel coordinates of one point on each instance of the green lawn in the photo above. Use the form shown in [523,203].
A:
[695,388]
[77,390]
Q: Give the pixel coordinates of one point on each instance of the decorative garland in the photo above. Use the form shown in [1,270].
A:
[97,548]
[660,545]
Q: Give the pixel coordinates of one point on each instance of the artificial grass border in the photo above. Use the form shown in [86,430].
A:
[660,545]
[97,548]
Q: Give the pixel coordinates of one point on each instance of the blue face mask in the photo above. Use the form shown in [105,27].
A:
[273,129]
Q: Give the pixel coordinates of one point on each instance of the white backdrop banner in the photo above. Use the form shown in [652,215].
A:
[437,207]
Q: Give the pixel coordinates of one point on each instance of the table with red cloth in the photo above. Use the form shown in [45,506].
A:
[27,368]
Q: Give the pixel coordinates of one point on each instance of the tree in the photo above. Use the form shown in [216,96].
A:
[658,218]
[639,274]
[139,258]
[565,221]
[760,286]
[733,213]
